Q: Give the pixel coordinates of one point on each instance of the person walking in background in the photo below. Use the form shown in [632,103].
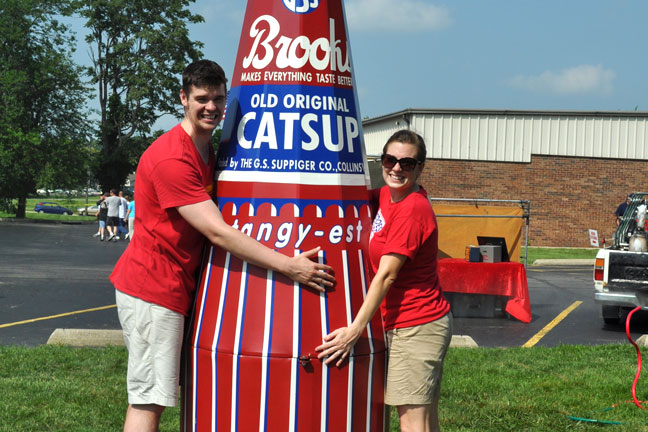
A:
[155,277]
[403,250]
[130,217]
[98,233]
[122,228]
[102,216]
[621,209]
[112,222]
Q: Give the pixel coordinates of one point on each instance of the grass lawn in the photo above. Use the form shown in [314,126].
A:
[485,389]
[72,202]
[559,253]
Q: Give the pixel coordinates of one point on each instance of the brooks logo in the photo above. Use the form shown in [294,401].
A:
[301,6]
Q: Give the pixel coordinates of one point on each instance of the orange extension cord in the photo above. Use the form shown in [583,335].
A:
[634,384]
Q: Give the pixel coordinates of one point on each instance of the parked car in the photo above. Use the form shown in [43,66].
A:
[90,210]
[51,207]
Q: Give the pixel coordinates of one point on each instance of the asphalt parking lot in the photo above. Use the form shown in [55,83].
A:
[56,276]
[53,273]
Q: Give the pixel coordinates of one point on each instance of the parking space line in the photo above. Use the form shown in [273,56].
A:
[57,316]
[561,316]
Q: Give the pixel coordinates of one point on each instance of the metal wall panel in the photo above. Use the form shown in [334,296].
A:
[376,136]
[513,136]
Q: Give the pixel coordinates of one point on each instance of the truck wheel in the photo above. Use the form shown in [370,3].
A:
[610,314]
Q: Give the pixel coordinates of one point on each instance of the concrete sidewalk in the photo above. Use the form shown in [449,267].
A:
[102,338]
[86,338]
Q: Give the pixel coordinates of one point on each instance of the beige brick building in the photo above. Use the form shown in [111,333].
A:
[573,167]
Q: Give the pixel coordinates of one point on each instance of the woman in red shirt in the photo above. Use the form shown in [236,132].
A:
[403,253]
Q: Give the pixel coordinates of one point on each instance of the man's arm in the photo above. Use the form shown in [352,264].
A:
[208,220]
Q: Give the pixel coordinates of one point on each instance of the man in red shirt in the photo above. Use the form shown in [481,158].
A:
[155,277]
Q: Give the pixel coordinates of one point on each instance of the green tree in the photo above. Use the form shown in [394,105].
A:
[139,49]
[42,110]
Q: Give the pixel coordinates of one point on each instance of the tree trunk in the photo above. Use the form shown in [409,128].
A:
[22,205]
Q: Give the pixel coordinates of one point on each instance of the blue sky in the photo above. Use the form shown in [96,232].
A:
[504,54]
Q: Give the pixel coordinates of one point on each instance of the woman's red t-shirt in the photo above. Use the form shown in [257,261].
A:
[408,228]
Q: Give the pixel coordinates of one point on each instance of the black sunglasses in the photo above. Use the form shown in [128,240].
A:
[406,163]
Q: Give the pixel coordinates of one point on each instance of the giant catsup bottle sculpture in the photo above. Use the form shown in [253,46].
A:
[292,174]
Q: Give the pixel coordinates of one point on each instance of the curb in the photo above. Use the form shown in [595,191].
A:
[103,338]
[642,341]
[86,338]
[463,341]
[583,262]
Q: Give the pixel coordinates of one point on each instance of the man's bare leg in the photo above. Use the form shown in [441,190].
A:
[143,418]
[419,418]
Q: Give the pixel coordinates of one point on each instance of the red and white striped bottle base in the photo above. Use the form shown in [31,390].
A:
[251,362]
[251,393]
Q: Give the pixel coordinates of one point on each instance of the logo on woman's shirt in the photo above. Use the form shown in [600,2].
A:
[378,224]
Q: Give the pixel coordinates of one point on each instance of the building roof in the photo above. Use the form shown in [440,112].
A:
[515,135]
[504,112]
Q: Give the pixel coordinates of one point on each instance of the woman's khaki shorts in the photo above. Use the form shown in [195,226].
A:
[153,337]
[415,362]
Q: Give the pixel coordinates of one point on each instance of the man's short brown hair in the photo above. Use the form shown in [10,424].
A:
[203,73]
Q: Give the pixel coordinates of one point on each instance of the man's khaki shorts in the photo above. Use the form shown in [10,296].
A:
[415,362]
[153,337]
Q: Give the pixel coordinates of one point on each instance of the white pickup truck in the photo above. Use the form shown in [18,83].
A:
[621,271]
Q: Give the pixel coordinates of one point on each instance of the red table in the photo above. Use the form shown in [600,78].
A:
[504,279]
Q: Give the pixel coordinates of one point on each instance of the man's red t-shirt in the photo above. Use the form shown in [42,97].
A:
[160,264]
[408,228]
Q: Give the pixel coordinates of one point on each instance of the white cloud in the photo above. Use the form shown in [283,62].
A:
[577,79]
[402,16]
